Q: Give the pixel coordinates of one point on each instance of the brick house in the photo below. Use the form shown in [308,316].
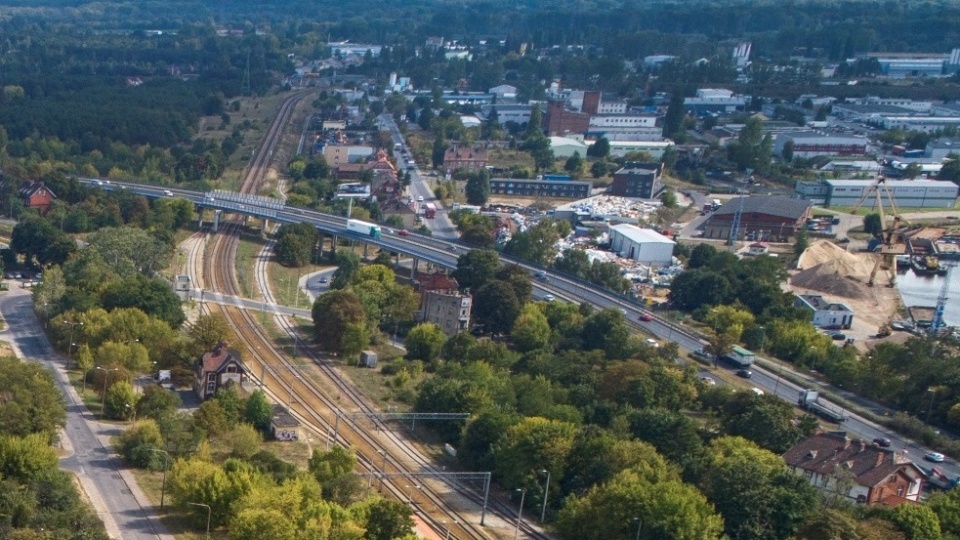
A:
[468,159]
[560,121]
[379,163]
[36,195]
[770,218]
[215,369]
[877,476]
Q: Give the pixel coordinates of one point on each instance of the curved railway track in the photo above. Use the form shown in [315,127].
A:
[282,376]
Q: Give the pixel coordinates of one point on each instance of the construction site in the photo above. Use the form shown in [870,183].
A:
[900,281]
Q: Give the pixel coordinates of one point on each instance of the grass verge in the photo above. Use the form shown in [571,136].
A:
[247,252]
[284,282]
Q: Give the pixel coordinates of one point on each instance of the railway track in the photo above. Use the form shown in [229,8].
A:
[315,407]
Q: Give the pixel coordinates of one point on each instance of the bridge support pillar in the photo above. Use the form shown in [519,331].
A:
[216,220]
[413,268]
[264,224]
[365,246]
[333,245]
[319,248]
[199,218]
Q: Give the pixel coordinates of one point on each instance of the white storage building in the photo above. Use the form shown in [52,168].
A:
[642,245]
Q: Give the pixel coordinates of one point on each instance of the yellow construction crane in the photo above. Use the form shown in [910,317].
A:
[887,242]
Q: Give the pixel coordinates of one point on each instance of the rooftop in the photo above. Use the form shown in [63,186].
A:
[776,206]
[816,302]
[824,453]
[891,183]
[636,234]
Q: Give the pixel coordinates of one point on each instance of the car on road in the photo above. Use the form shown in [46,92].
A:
[623,311]
[651,342]
[168,193]
[453,248]
[701,353]
[420,198]
[646,317]
[403,232]
[935,457]
[548,298]
[757,391]
[882,442]
[707,380]
[323,279]
[838,336]
[745,373]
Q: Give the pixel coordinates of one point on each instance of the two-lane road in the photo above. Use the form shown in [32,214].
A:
[100,471]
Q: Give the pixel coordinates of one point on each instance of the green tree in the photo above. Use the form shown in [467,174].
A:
[258,411]
[208,331]
[479,436]
[348,264]
[31,403]
[243,440]
[356,337]
[951,169]
[666,509]
[121,401]
[607,330]
[673,121]
[212,418]
[26,458]
[574,165]
[531,445]
[476,268]
[573,261]
[478,188]
[668,198]
[333,313]
[424,342]
[495,306]
[387,520]
[599,149]
[137,444]
[261,524]
[829,524]
[157,402]
[754,491]
[152,296]
[531,331]
[919,522]
[538,243]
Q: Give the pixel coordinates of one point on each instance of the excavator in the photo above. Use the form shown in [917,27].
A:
[888,242]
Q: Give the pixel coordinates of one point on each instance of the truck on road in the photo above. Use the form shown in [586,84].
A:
[809,401]
[429,210]
[740,357]
[363,228]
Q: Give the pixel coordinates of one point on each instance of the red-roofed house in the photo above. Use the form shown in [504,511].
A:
[215,369]
[379,163]
[880,477]
[468,159]
[36,195]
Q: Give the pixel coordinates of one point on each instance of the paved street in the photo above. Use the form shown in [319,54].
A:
[440,226]
[114,494]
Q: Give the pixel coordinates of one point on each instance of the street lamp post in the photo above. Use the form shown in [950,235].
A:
[106,379]
[523,495]
[166,462]
[933,395]
[73,326]
[639,526]
[546,493]
[209,513]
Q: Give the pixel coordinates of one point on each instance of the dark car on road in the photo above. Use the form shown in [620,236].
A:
[745,373]
[882,442]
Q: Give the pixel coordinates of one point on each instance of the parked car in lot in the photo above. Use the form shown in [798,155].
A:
[839,336]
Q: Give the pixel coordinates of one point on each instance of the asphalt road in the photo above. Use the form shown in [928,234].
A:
[440,226]
[99,470]
[443,253]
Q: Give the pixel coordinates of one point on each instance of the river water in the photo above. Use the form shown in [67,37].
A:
[924,290]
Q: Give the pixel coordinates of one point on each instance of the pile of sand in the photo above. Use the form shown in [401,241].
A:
[828,268]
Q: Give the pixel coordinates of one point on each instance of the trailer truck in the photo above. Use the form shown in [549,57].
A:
[363,228]
[809,401]
[740,357]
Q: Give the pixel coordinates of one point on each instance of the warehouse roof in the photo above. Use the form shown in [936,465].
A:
[636,234]
[775,206]
[892,184]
